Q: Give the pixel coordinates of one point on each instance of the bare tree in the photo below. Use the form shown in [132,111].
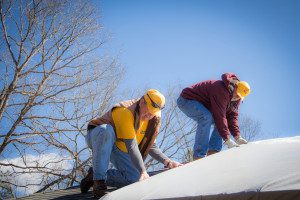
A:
[54,78]
[5,189]
[249,127]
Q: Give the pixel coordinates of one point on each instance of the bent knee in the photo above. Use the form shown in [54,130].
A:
[205,117]
[103,132]
[109,130]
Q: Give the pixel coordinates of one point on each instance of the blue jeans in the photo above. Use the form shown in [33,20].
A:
[203,117]
[101,140]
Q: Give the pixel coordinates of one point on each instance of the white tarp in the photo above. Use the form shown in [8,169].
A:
[269,165]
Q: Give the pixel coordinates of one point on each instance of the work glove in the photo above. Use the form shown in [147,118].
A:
[230,143]
[172,164]
[144,175]
[239,140]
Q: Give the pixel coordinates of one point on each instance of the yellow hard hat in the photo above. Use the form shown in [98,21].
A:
[155,101]
[242,89]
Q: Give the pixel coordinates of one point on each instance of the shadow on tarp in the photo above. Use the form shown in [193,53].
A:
[272,195]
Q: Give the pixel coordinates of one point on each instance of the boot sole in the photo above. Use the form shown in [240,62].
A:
[85,185]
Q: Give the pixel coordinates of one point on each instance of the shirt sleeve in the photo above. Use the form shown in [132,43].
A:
[135,155]
[218,109]
[232,118]
[157,154]
[124,123]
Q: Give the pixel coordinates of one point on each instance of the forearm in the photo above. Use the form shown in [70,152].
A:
[233,126]
[135,155]
[157,154]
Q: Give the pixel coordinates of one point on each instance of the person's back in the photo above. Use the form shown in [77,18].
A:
[203,91]
[206,90]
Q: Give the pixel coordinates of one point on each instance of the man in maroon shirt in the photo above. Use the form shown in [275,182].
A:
[214,102]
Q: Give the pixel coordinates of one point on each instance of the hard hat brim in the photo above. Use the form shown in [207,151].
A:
[241,97]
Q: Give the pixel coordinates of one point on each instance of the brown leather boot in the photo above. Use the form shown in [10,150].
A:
[87,182]
[210,152]
[99,188]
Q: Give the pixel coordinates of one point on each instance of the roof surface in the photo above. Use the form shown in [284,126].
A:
[269,167]
[71,193]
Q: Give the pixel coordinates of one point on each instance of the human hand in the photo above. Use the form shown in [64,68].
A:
[230,143]
[239,140]
[144,175]
[172,164]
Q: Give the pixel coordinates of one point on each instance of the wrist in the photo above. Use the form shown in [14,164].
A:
[141,169]
[143,172]
[237,137]
[226,139]
[167,163]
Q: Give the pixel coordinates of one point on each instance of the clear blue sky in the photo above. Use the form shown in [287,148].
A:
[165,43]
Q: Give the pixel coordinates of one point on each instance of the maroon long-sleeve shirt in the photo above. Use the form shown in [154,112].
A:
[216,96]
